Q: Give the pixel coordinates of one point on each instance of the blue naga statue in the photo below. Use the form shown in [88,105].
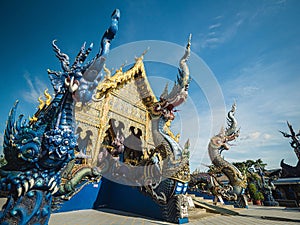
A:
[37,151]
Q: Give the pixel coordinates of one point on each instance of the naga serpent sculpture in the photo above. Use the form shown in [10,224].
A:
[38,151]
[234,191]
[169,190]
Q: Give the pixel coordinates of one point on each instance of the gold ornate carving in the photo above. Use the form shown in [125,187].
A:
[120,78]
[170,133]
[33,119]
[181,172]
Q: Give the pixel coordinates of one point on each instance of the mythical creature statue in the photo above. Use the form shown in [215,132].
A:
[234,191]
[267,187]
[38,151]
[171,186]
[287,170]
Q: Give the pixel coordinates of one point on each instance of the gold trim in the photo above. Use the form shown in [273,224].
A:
[170,133]
[103,126]
[111,83]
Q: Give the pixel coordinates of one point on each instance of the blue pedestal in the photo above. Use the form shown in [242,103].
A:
[111,195]
[85,199]
[126,198]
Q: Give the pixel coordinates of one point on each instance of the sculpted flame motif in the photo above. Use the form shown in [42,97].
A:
[237,182]
[38,151]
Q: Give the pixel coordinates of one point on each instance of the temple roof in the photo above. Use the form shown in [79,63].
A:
[137,73]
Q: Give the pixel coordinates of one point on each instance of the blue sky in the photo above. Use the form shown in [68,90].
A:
[251,48]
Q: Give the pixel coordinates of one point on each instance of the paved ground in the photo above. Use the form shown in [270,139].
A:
[255,215]
[93,217]
[252,216]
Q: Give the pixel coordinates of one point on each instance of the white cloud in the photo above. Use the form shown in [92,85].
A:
[250,90]
[224,28]
[267,136]
[255,135]
[219,33]
[211,33]
[36,88]
[218,17]
[216,25]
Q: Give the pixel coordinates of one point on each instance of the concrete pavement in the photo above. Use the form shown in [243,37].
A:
[255,215]
[252,216]
[95,217]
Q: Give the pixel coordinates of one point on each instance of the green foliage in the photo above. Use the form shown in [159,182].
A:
[245,165]
[244,168]
[252,189]
[253,178]
[258,196]
[260,163]
[254,193]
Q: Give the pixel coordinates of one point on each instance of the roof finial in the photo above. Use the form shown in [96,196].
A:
[189,41]
[121,67]
[142,55]
[107,71]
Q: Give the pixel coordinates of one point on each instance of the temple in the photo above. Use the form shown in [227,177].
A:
[115,133]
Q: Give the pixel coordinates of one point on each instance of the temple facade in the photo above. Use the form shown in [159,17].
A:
[119,107]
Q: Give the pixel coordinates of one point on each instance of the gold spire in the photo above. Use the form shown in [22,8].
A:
[142,55]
